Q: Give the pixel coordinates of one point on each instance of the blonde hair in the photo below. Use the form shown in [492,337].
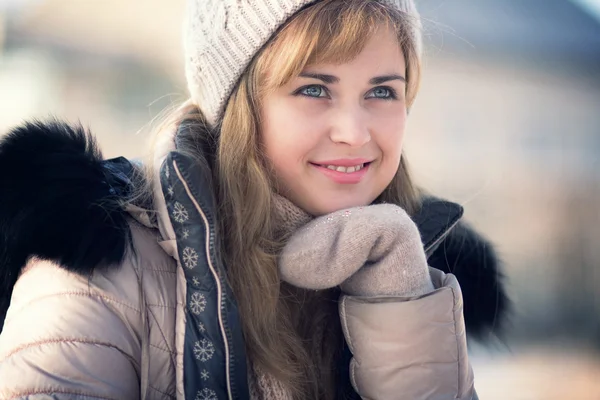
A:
[284,327]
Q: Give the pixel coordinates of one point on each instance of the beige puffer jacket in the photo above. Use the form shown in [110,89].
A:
[120,334]
[409,348]
[66,337]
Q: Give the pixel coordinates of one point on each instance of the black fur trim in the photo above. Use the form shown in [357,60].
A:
[57,202]
[473,260]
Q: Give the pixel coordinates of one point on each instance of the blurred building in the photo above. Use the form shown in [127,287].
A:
[112,65]
[508,123]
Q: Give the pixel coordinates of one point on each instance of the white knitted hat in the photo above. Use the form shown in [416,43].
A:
[222,36]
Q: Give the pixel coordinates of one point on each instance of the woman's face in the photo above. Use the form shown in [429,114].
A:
[334,134]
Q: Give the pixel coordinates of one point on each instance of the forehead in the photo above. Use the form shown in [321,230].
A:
[292,55]
[380,53]
[375,42]
[332,33]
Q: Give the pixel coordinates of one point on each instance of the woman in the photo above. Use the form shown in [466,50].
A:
[268,252]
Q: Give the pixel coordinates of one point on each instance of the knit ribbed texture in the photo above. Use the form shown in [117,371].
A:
[265,387]
[287,217]
[222,36]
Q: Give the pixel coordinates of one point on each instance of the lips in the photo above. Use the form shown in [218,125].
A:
[351,173]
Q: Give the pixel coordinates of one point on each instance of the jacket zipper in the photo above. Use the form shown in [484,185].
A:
[209,245]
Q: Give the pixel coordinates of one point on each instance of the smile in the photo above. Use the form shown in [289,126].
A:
[347,174]
[347,170]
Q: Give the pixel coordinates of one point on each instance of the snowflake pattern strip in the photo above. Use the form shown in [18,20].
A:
[204,375]
[190,257]
[206,394]
[204,350]
[180,214]
[197,303]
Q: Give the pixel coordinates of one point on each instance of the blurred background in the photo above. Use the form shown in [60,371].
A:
[507,124]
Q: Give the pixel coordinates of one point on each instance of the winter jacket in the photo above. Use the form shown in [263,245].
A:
[103,299]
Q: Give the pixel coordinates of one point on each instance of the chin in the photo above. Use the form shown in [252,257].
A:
[328,206]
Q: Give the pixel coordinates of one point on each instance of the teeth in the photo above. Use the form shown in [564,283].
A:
[347,170]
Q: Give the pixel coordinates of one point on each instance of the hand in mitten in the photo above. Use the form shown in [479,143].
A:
[368,251]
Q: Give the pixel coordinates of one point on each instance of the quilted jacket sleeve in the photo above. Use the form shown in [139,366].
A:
[68,337]
[409,348]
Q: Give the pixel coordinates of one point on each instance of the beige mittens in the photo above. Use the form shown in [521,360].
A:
[369,251]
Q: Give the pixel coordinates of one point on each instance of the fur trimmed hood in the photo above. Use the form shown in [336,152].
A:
[59,200]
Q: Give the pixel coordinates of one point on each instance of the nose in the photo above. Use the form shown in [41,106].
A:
[350,126]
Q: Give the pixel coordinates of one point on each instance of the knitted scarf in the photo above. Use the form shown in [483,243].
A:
[288,218]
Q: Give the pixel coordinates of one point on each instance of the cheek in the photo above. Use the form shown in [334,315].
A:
[287,133]
[285,138]
[390,136]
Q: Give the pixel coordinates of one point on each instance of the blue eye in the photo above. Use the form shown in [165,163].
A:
[384,93]
[312,91]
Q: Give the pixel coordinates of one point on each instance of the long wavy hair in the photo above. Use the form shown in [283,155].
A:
[291,334]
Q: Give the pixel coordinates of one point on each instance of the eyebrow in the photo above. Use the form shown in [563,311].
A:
[381,79]
[334,79]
